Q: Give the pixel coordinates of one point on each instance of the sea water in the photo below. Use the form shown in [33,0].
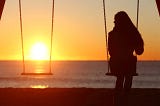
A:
[73,74]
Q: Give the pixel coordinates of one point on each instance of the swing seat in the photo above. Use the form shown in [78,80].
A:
[36,73]
[110,74]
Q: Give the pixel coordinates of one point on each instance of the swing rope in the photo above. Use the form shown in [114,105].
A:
[21,28]
[106,33]
[137,14]
[22,41]
[52,26]
[105,27]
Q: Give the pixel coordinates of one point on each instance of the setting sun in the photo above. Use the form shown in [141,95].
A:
[39,51]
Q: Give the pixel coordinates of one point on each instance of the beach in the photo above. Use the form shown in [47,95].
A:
[75,97]
[76,83]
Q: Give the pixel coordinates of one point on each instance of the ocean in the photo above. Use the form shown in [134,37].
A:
[73,74]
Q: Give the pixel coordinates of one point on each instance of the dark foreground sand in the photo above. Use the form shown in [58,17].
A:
[74,97]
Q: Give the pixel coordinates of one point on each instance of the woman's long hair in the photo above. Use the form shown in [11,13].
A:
[128,31]
[123,23]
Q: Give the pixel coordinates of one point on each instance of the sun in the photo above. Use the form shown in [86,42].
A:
[39,51]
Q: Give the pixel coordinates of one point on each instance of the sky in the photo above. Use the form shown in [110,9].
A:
[78,28]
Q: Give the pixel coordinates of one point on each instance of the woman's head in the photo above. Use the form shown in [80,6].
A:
[122,20]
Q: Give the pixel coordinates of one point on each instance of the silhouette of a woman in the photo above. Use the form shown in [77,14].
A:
[123,40]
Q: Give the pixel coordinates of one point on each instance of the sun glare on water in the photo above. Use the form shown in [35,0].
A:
[39,86]
[39,51]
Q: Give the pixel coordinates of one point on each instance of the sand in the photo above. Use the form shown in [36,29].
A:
[74,97]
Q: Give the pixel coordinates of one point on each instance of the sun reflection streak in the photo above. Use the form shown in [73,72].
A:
[39,86]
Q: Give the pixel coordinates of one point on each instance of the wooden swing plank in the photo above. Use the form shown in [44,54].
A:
[111,74]
[36,73]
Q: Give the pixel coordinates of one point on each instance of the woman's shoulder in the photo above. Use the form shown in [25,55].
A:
[112,34]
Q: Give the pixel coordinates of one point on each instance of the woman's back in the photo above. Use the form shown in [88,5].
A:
[123,40]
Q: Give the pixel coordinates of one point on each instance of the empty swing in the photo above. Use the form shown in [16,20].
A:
[22,44]
[105,29]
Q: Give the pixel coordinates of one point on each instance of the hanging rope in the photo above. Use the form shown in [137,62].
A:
[22,42]
[105,29]
[51,36]
[21,28]
[137,21]
[137,14]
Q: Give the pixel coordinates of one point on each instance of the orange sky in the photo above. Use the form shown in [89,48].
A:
[78,28]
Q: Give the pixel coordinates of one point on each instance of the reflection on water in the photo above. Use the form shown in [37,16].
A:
[71,74]
[39,86]
[37,66]
[39,70]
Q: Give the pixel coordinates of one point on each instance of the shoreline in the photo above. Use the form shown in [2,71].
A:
[75,97]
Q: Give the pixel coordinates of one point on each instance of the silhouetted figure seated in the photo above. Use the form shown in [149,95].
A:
[123,40]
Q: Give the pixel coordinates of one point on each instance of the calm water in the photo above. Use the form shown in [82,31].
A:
[74,74]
